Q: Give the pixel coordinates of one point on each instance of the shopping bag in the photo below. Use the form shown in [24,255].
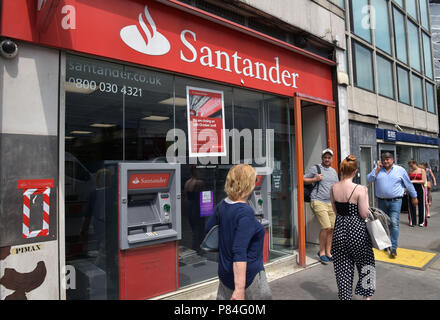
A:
[378,235]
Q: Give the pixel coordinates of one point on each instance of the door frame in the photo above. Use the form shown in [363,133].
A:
[332,142]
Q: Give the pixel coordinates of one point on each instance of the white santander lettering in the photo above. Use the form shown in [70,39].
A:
[277,69]
[284,75]
[208,56]
[219,61]
[247,67]
[188,45]
[294,76]
[257,67]
[248,71]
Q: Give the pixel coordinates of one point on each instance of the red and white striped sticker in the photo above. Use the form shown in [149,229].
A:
[30,188]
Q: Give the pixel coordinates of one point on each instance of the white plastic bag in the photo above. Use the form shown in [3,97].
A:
[378,235]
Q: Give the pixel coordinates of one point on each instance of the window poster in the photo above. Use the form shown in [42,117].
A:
[206,203]
[206,122]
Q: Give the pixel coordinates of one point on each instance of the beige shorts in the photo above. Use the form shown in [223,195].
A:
[324,213]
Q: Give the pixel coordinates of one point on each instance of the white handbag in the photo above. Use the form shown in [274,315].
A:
[378,235]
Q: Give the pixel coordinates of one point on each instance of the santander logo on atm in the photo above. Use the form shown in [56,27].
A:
[134,36]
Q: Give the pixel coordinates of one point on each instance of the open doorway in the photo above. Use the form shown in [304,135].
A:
[318,131]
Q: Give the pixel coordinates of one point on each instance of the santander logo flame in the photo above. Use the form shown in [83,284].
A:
[145,39]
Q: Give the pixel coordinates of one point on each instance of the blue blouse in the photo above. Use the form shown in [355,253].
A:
[241,240]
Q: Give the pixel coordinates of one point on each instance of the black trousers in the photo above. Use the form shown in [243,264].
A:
[412,210]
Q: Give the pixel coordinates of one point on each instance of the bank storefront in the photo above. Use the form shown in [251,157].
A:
[164,86]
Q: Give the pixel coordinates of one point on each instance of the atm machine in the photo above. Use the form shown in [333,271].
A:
[260,201]
[149,229]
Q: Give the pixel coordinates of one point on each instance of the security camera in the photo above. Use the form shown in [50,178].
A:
[398,127]
[8,49]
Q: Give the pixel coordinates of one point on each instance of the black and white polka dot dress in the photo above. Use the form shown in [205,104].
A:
[351,246]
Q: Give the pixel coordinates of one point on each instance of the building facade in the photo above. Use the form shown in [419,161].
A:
[96,86]
[392,94]
[434,7]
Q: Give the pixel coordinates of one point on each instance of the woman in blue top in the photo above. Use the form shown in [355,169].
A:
[241,238]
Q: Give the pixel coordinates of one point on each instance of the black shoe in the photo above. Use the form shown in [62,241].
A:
[393,253]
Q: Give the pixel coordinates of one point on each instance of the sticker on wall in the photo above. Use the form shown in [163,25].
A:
[28,272]
[32,189]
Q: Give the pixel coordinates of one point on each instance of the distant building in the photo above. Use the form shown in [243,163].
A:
[434,6]
[392,95]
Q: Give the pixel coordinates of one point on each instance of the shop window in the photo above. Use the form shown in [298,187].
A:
[148,113]
[198,177]
[404,154]
[282,235]
[121,113]
[94,139]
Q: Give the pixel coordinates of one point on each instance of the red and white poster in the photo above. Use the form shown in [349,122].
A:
[206,122]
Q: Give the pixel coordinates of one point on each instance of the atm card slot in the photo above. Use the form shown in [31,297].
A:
[136,230]
[159,227]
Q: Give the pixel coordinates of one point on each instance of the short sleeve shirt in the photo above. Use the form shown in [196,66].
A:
[329,177]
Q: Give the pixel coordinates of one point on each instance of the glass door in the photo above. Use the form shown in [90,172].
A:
[281,122]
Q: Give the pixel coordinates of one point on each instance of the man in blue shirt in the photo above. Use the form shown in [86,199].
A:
[390,181]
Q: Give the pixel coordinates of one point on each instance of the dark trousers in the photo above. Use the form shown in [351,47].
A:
[412,210]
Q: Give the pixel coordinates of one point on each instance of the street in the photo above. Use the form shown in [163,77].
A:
[393,282]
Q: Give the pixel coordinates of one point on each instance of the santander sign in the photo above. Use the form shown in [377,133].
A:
[170,36]
[145,38]
[148,180]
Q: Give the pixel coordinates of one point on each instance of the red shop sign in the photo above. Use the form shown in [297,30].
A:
[161,36]
[148,180]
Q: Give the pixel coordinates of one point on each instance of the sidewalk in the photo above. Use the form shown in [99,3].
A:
[392,281]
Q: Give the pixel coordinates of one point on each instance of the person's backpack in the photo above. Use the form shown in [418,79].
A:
[308,188]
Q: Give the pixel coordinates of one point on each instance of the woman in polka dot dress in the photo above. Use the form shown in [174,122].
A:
[351,245]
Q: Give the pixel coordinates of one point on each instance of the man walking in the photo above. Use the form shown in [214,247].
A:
[320,202]
[390,180]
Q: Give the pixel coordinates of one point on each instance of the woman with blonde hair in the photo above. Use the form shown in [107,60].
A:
[241,239]
[351,245]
